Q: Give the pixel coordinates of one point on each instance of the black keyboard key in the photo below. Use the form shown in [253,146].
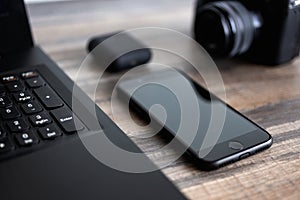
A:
[9,113]
[26,139]
[5,102]
[48,97]
[5,146]
[15,87]
[40,119]
[50,132]
[2,133]
[22,96]
[9,79]
[2,90]
[31,108]
[30,74]
[35,82]
[67,120]
[17,126]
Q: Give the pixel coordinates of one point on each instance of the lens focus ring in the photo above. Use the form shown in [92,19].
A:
[224,28]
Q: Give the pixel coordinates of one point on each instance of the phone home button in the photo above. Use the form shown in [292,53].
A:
[235,145]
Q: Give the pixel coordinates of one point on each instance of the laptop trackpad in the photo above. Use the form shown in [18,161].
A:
[68,171]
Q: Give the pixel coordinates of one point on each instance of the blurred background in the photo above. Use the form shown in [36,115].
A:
[63,28]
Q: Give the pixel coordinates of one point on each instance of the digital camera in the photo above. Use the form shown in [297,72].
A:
[262,31]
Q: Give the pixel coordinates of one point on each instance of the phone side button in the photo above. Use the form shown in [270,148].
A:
[245,155]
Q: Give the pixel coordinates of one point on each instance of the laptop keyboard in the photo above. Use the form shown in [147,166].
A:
[32,113]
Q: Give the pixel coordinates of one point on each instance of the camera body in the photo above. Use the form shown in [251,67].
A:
[262,31]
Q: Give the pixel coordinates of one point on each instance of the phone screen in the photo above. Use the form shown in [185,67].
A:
[149,94]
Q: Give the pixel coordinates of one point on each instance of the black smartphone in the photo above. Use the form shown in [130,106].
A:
[238,139]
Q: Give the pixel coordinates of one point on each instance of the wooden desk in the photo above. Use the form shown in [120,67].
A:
[270,96]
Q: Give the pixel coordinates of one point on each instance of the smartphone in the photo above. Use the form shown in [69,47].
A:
[238,139]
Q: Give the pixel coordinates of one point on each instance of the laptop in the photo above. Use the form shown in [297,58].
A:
[41,154]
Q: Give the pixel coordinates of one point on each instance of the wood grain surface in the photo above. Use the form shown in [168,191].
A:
[268,95]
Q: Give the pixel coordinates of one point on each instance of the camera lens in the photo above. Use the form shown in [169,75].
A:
[224,28]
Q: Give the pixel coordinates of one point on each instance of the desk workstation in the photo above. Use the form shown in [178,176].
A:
[268,95]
